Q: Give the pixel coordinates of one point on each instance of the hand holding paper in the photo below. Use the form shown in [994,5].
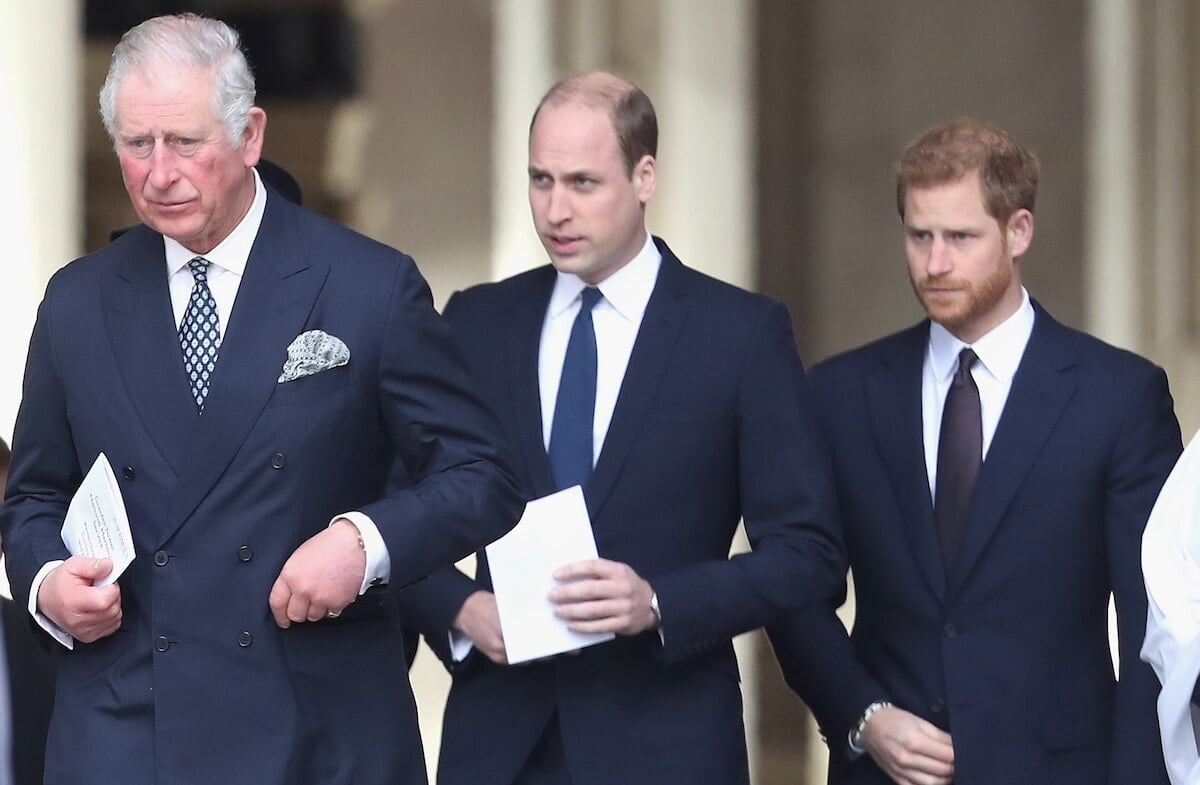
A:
[553,532]
[71,599]
[96,523]
[599,596]
[78,595]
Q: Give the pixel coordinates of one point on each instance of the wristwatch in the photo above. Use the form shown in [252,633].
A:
[855,738]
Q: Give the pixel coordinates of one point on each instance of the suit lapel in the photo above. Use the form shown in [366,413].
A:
[274,300]
[1041,390]
[526,399]
[894,406]
[145,344]
[665,314]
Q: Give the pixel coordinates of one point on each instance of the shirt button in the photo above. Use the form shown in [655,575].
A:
[245,639]
[161,643]
[161,558]
[938,706]
[950,631]
[245,553]
[128,473]
[278,460]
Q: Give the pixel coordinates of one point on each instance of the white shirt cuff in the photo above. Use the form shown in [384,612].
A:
[379,561]
[460,646]
[52,629]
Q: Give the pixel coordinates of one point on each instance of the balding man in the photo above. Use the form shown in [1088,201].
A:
[690,411]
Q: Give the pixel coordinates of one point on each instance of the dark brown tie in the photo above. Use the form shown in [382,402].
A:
[960,453]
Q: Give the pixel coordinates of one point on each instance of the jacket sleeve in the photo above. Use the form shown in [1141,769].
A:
[786,494]
[1148,446]
[463,493]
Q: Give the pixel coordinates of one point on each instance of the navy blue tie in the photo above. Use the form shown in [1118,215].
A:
[575,408]
[200,333]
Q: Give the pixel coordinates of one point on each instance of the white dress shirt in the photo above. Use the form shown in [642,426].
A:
[999,353]
[1171,566]
[616,317]
[227,265]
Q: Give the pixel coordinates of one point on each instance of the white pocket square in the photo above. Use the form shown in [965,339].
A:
[312,352]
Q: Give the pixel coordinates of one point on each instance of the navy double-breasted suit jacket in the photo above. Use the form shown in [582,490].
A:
[1009,653]
[198,685]
[713,422]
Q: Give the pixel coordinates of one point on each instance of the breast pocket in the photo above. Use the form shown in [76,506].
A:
[306,389]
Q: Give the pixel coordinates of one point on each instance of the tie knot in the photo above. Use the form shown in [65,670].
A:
[966,360]
[199,268]
[588,298]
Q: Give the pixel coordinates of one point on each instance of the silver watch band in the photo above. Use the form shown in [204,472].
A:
[854,738]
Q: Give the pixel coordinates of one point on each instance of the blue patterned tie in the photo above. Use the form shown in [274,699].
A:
[200,333]
[575,408]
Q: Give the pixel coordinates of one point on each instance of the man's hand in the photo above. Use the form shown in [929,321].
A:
[322,576]
[479,620]
[68,598]
[603,596]
[910,750]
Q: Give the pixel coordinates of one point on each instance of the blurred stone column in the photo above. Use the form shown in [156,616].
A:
[1143,239]
[522,69]
[40,217]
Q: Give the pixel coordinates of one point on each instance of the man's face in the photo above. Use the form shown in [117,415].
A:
[588,212]
[185,178]
[962,262]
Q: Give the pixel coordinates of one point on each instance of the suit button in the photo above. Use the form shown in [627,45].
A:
[245,553]
[950,631]
[278,460]
[938,706]
[161,643]
[161,558]
[128,473]
[245,639]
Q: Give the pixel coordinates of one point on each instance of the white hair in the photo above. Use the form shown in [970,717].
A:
[194,42]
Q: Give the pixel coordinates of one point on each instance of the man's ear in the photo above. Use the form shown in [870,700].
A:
[1019,232]
[645,178]
[254,136]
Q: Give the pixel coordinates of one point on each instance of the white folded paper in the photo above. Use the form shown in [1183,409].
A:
[553,532]
[96,523]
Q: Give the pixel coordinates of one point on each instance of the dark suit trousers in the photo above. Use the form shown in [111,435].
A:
[547,764]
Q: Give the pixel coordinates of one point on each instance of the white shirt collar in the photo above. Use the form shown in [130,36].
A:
[999,351]
[232,252]
[627,290]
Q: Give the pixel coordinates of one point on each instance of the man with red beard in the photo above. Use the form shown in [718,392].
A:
[994,472]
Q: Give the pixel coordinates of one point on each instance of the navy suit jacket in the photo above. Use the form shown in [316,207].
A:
[30,694]
[713,422]
[1009,653]
[198,684]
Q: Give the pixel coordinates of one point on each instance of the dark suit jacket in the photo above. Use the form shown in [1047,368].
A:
[198,684]
[1010,653]
[714,421]
[30,693]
